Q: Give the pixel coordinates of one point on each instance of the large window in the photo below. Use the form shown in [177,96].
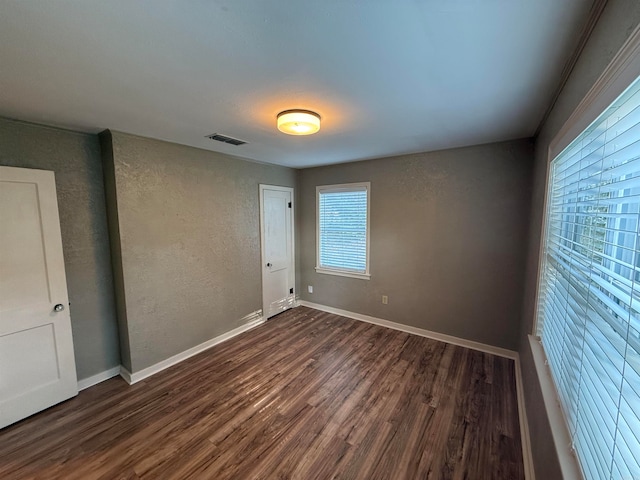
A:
[589,291]
[343,229]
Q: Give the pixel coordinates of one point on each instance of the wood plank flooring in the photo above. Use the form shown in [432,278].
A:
[308,395]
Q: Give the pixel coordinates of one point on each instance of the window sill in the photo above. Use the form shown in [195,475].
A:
[559,430]
[327,271]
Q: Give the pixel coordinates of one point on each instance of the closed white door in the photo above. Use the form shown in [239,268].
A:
[37,364]
[278,271]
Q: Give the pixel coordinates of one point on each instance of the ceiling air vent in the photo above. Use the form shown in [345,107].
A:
[224,139]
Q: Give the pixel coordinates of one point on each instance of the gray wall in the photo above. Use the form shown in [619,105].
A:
[106,147]
[189,245]
[448,238]
[619,19]
[75,159]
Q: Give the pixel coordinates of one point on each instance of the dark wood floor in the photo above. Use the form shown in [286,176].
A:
[308,395]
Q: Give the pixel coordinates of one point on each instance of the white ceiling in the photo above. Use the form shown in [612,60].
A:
[387,76]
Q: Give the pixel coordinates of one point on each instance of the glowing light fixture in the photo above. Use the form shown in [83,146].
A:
[298,122]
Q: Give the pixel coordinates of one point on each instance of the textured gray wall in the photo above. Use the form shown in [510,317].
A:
[106,148]
[448,237]
[189,242]
[619,19]
[75,159]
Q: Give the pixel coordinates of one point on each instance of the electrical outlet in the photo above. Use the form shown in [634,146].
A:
[310,288]
[385,299]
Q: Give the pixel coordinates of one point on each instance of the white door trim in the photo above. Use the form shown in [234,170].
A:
[264,187]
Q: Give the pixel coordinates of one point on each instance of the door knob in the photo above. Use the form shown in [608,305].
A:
[58,308]
[269,265]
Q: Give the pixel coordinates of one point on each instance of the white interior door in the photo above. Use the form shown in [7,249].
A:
[37,364]
[278,270]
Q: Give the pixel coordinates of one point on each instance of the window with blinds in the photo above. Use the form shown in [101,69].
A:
[589,290]
[343,229]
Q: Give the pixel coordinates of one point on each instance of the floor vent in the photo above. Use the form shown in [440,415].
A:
[225,139]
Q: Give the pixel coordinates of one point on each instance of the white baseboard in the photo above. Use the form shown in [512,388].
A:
[253,320]
[501,352]
[527,455]
[461,342]
[97,378]
[125,374]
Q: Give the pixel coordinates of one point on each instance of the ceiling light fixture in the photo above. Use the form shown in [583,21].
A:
[298,122]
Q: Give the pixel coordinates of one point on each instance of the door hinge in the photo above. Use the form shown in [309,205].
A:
[291,290]
[289,204]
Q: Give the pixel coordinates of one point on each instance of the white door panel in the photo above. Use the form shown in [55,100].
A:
[276,212]
[21,226]
[37,364]
[278,276]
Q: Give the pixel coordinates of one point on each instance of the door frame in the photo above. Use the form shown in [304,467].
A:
[291,190]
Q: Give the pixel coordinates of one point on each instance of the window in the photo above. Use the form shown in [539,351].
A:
[589,289]
[343,229]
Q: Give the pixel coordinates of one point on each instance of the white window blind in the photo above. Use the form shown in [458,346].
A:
[343,229]
[589,291]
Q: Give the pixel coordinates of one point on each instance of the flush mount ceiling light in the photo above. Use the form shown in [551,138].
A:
[298,122]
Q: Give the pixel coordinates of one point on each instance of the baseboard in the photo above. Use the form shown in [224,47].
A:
[253,320]
[97,378]
[125,374]
[527,455]
[501,352]
[461,342]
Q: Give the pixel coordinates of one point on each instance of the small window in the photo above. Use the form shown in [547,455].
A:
[343,229]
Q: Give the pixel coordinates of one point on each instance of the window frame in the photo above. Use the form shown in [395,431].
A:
[616,78]
[344,187]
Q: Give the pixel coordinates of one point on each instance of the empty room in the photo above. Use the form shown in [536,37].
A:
[341,239]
